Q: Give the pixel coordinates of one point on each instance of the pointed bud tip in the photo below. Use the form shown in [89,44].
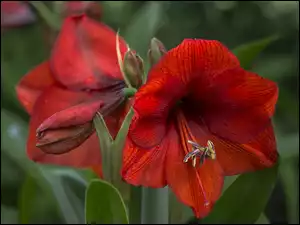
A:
[134,68]
[156,51]
[60,141]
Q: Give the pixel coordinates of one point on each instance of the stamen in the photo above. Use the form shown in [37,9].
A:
[202,152]
[206,202]
[187,138]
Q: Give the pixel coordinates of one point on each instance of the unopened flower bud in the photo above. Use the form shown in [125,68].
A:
[62,140]
[156,51]
[133,68]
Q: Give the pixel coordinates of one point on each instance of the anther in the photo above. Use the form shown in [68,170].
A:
[200,151]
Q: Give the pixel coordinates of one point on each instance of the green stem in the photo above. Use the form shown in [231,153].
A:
[129,92]
[155,205]
[46,14]
[135,205]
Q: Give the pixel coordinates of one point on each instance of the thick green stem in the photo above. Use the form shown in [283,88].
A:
[135,205]
[155,205]
[129,92]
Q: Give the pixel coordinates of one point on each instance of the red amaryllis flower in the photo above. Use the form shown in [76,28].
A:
[199,117]
[15,13]
[62,95]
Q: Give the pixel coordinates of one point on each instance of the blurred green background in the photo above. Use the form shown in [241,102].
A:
[32,193]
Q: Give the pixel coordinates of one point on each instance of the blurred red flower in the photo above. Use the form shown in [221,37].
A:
[16,13]
[62,95]
[198,95]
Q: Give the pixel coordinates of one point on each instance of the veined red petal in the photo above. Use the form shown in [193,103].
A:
[194,58]
[55,99]
[84,55]
[235,157]
[198,187]
[233,103]
[144,166]
[237,104]
[152,105]
[32,84]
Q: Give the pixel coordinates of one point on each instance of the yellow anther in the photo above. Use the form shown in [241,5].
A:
[200,151]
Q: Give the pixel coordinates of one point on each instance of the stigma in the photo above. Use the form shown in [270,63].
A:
[201,152]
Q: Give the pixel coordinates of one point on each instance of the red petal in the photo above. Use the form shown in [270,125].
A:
[84,55]
[152,106]
[197,188]
[234,104]
[144,166]
[194,59]
[15,13]
[236,158]
[32,85]
[115,119]
[52,100]
[62,140]
[170,80]
[237,105]
[73,116]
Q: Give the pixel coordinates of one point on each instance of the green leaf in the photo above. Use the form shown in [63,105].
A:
[9,215]
[69,190]
[104,204]
[49,17]
[117,147]
[246,53]
[105,141]
[289,173]
[36,203]
[13,144]
[244,201]
[262,219]
[27,196]
[144,26]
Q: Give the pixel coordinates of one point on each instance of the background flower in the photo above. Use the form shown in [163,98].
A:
[62,95]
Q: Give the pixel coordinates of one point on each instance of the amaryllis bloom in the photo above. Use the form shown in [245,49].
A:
[62,95]
[199,117]
[16,13]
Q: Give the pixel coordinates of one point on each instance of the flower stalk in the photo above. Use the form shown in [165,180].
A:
[155,205]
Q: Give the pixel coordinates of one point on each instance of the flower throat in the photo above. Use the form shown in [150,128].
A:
[188,140]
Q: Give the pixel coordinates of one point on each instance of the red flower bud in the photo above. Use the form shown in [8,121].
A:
[62,140]
[133,68]
[156,51]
